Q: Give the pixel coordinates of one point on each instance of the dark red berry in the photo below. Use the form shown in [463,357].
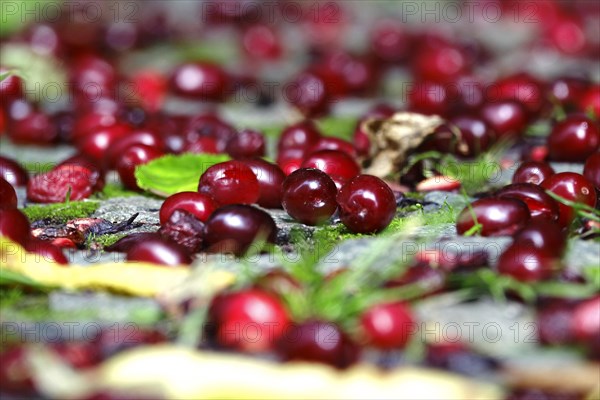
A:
[554,324]
[566,91]
[158,251]
[388,325]
[334,163]
[15,374]
[8,196]
[333,143]
[497,217]
[13,172]
[573,187]
[309,93]
[309,196]
[141,136]
[544,235]
[429,98]
[246,144]
[32,127]
[574,139]
[201,81]
[67,180]
[233,229]
[441,63]
[585,324]
[230,182]
[250,320]
[198,204]
[526,263]
[539,203]
[390,42]
[14,225]
[317,341]
[270,182]
[303,135]
[591,169]
[475,135]
[208,127]
[366,204]
[522,88]
[590,101]
[532,172]
[11,87]
[96,143]
[506,118]
[132,157]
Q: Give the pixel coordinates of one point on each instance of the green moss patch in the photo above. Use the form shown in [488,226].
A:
[105,240]
[61,212]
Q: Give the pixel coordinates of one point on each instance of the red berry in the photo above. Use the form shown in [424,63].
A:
[158,251]
[270,182]
[184,229]
[309,93]
[572,187]
[132,157]
[590,101]
[388,325]
[591,170]
[429,98]
[13,172]
[198,204]
[141,136]
[506,118]
[334,163]
[539,203]
[11,87]
[497,217]
[246,144]
[200,81]
[230,182]
[14,225]
[574,139]
[527,264]
[389,41]
[441,63]
[366,204]
[54,186]
[309,196]
[554,324]
[567,91]
[317,341]
[532,172]
[544,235]
[522,88]
[250,320]
[8,196]
[208,126]
[333,143]
[262,42]
[233,229]
[586,320]
[475,135]
[96,143]
[303,135]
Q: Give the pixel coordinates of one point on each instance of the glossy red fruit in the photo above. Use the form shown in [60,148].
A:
[497,217]
[544,235]
[532,172]
[317,341]
[8,196]
[591,169]
[233,229]
[390,42]
[574,139]
[270,182]
[475,135]
[429,98]
[54,186]
[522,88]
[32,127]
[309,196]
[246,144]
[93,77]
[506,118]
[198,204]
[442,63]
[567,91]
[262,42]
[144,137]
[334,163]
[11,87]
[14,225]
[132,157]
[250,320]
[539,203]
[290,159]
[586,320]
[158,251]
[184,229]
[309,93]
[357,73]
[96,144]
[208,126]
[47,251]
[230,182]
[333,143]
[366,204]
[554,324]
[388,325]
[201,81]
[573,187]
[13,172]
[590,101]
[150,89]
[527,264]
[303,135]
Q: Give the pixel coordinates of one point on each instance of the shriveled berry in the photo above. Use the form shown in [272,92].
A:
[54,186]
[184,229]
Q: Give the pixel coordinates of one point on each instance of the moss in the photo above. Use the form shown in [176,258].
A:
[115,190]
[61,212]
[105,240]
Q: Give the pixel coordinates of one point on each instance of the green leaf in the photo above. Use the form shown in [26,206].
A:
[565,290]
[11,278]
[342,127]
[172,174]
